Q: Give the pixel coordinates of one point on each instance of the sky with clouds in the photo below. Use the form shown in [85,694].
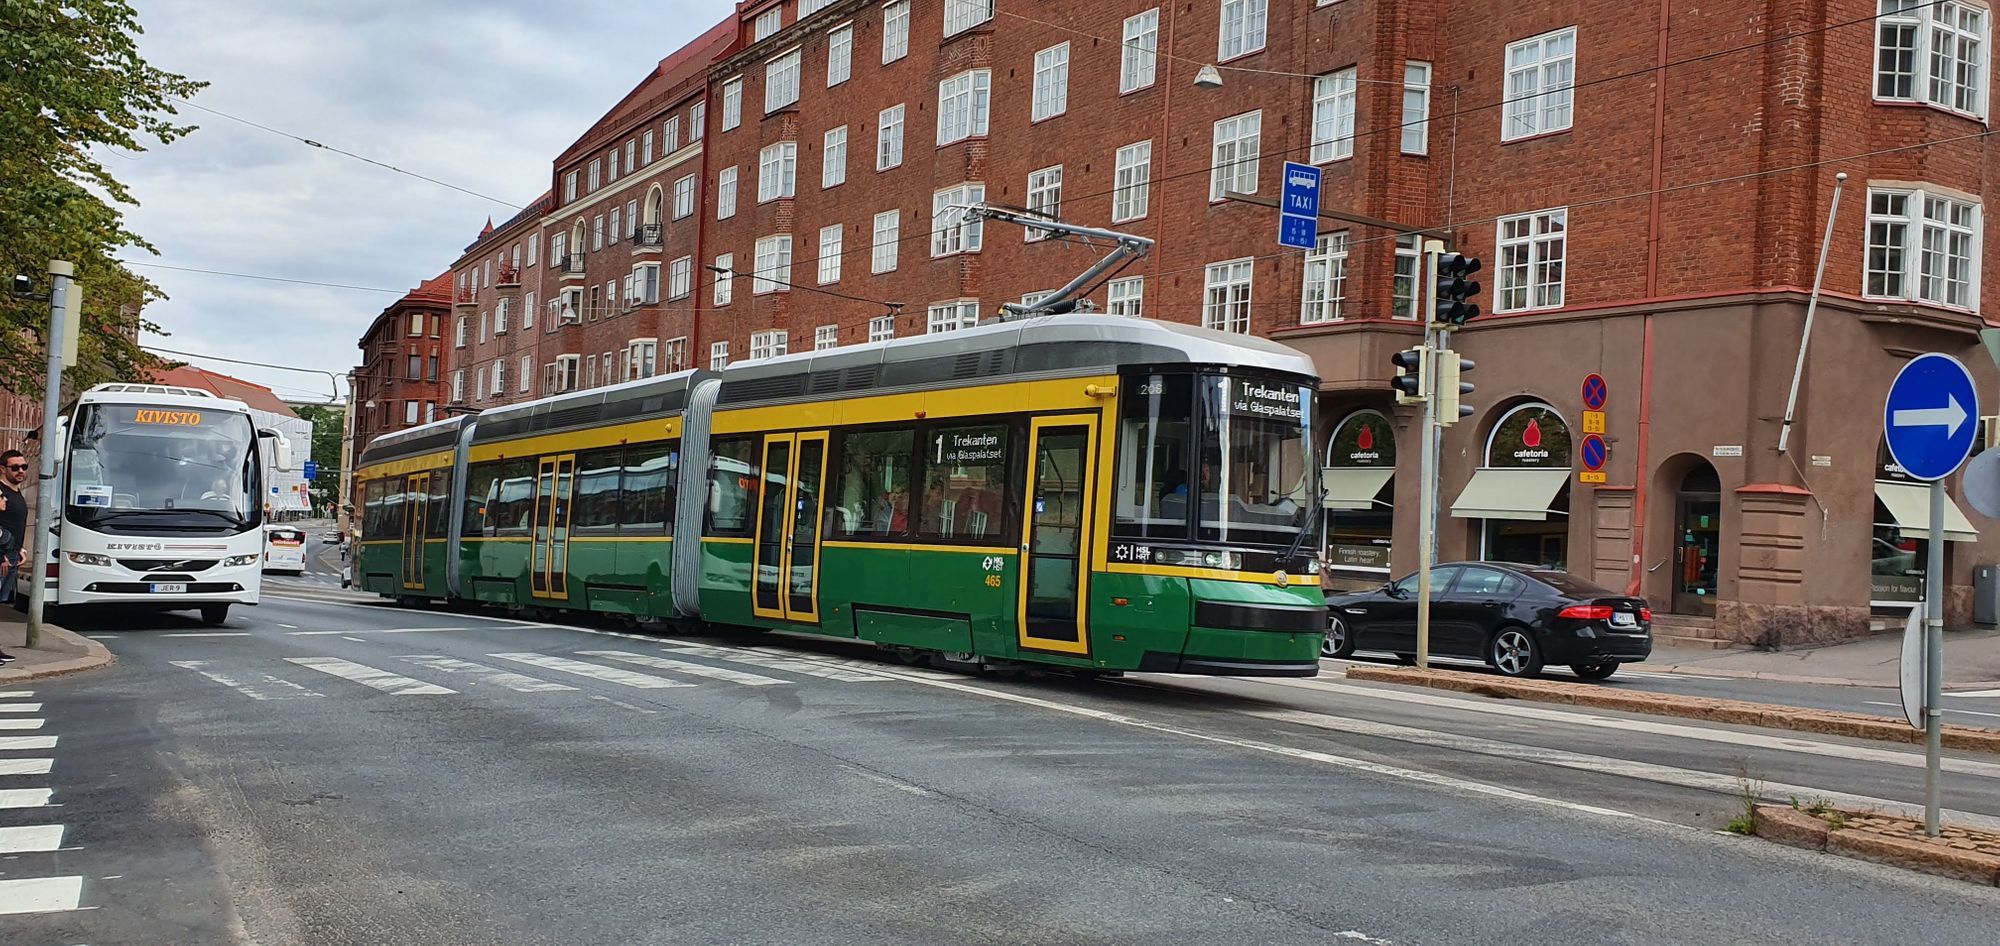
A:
[480,94]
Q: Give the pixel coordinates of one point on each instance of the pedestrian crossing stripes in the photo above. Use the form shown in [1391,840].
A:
[40,894]
[798,665]
[31,838]
[695,669]
[20,707]
[17,743]
[20,723]
[26,766]
[391,683]
[20,895]
[520,683]
[265,687]
[643,681]
[24,797]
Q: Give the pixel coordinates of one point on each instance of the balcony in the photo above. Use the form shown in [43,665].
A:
[507,277]
[570,266]
[648,236]
[466,297]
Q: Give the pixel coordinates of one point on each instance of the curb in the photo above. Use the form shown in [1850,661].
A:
[1699,670]
[1737,712]
[92,655]
[1784,825]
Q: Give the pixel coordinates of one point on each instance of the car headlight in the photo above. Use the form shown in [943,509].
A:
[234,560]
[90,558]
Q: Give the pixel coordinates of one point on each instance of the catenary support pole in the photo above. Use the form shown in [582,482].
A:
[1812,307]
[46,491]
[1934,659]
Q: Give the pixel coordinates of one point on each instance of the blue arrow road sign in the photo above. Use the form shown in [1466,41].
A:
[1931,417]
[1298,206]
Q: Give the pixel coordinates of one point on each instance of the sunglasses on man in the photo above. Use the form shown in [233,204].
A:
[17,467]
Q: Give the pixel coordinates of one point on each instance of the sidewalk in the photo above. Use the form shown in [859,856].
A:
[1971,662]
[61,651]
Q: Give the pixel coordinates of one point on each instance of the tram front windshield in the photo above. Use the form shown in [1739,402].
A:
[1215,458]
[134,469]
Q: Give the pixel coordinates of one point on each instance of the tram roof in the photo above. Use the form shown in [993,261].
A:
[1055,345]
[663,396]
[414,442]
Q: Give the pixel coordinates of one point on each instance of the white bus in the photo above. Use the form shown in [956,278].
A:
[162,501]
[285,549]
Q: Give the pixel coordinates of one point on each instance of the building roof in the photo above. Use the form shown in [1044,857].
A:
[673,78]
[435,291]
[222,385]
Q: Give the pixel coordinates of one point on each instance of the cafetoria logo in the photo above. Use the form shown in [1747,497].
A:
[1532,435]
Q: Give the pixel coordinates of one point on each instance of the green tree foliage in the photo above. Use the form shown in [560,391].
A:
[327,422]
[72,85]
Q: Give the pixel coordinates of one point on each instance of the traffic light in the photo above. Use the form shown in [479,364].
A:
[1412,382]
[1449,388]
[1455,289]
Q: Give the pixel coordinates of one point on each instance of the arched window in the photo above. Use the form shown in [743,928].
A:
[655,205]
[576,246]
[1520,493]
[1360,492]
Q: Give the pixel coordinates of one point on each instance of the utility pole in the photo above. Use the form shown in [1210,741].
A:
[1427,508]
[61,306]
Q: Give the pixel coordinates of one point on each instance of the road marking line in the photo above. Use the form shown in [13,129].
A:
[643,681]
[25,797]
[22,840]
[621,703]
[289,626]
[693,669]
[102,637]
[11,743]
[40,894]
[208,634]
[383,630]
[20,724]
[865,666]
[1976,694]
[15,694]
[519,683]
[390,683]
[354,639]
[1946,709]
[271,688]
[20,707]
[797,665]
[26,766]
[1728,737]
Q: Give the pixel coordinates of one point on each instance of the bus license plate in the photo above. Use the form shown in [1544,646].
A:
[171,588]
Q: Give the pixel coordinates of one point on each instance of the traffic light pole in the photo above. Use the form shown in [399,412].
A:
[1427,503]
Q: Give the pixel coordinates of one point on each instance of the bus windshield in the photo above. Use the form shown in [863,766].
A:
[136,468]
[1216,458]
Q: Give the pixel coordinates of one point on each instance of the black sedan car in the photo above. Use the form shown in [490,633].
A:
[1516,618]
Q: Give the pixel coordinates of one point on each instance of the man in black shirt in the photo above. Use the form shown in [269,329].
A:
[13,525]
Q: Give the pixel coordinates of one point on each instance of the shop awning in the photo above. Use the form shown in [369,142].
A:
[1354,487]
[1910,506]
[1509,494]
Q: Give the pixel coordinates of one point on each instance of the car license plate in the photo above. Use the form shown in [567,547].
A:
[170,588]
[1624,619]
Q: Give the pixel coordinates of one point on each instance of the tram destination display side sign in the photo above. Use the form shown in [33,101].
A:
[1258,399]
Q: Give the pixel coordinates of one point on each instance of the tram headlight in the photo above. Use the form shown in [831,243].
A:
[235,560]
[90,558]
[1222,559]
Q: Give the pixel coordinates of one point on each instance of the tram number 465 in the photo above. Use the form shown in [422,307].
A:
[992,565]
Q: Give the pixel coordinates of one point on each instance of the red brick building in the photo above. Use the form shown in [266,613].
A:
[399,382]
[1647,188]
[491,338]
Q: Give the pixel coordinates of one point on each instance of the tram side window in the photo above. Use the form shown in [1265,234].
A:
[732,487]
[646,503]
[965,482]
[480,481]
[392,507]
[371,510]
[1155,436]
[438,518]
[872,495]
[513,511]
[595,506]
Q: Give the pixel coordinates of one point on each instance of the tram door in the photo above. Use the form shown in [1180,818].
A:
[548,575]
[786,586]
[416,513]
[1056,534]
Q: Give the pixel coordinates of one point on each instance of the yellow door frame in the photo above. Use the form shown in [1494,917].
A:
[787,538]
[1086,532]
[416,505]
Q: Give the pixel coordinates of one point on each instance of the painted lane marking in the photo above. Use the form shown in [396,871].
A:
[20,724]
[643,681]
[25,797]
[1946,709]
[208,634]
[14,743]
[354,639]
[20,707]
[269,688]
[379,630]
[798,665]
[26,766]
[621,704]
[865,666]
[292,627]
[102,637]
[39,837]
[687,667]
[520,683]
[390,683]
[16,694]
[1725,736]
[40,894]
[1977,694]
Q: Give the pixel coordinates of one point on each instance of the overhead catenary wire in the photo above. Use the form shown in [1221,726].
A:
[265,278]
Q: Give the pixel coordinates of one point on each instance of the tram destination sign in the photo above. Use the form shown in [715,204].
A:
[969,448]
[1258,399]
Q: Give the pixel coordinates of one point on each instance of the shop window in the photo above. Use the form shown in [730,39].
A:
[1360,487]
[1521,494]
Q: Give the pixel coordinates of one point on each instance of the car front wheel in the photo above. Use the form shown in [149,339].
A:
[1339,641]
[1594,671]
[1514,653]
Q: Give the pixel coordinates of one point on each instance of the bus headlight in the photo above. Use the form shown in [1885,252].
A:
[235,560]
[90,558]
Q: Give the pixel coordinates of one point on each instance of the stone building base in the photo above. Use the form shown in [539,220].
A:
[1778,626]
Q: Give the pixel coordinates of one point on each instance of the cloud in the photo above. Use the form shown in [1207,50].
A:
[480,94]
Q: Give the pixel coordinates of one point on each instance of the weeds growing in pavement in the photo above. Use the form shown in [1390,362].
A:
[1749,790]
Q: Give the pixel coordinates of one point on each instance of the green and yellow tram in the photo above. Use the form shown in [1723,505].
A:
[1096,493]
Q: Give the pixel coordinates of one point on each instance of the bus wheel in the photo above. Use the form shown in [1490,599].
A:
[214,614]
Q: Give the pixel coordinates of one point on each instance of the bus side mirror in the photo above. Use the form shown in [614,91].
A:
[281,450]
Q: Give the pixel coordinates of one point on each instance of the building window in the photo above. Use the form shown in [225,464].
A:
[767,22]
[881,328]
[499,378]
[1051,82]
[641,359]
[952,316]
[1416,107]
[411,411]
[646,146]
[1226,297]
[416,325]
[725,278]
[732,103]
[527,374]
[839,55]
[1531,260]
[479,385]
[774,265]
[597,232]
[1409,263]
[631,156]
[483,320]
[697,120]
[670,135]
[768,344]
[777,171]
[833,158]
[616,220]
[889,138]
[825,337]
[1044,198]
[1923,247]
[416,367]
[962,15]
[611,158]
[676,356]
[534,248]
[888,234]
[1131,197]
[781,82]
[596,175]
[1540,72]
[1125,296]
[1333,116]
[680,278]
[684,197]
[951,230]
[458,385]
[1932,52]
[963,101]
[895,31]
[1139,57]
[1325,281]
[500,316]
[725,194]
[458,332]
[569,187]
[718,356]
[1242,28]
[1234,167]
[829,254]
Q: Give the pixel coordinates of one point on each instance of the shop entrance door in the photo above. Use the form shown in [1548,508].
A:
[1697,541]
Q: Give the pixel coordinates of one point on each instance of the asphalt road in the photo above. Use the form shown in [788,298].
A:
[328,772]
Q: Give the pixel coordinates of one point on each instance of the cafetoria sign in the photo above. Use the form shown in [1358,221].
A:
[1363,439]
[1531,436]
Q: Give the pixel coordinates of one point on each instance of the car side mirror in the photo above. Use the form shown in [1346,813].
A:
[1389,588]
